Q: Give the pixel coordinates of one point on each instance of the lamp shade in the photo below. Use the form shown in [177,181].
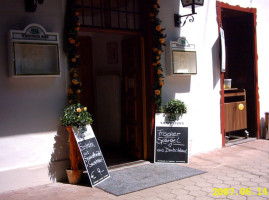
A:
[186,3]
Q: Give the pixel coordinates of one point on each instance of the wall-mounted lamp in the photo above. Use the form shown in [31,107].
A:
[30,5]
[186,3]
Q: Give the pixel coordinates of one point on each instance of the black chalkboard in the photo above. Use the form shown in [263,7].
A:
[171,144]
[92,155]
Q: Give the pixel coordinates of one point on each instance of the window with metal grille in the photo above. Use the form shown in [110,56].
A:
[112,14]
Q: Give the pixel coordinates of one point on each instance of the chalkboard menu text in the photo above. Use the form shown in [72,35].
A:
[91,154]
[171,141]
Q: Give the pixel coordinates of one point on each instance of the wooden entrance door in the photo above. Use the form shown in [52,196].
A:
[132,97]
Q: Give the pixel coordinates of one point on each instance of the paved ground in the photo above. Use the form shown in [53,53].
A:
[240,167]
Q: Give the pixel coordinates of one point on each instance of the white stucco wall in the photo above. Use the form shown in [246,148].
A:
[201,92]
[30,108]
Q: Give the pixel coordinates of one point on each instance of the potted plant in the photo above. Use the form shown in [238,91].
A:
[75,115]
[174,109]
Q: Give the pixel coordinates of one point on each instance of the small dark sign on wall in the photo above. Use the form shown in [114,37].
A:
[171,141]
[91,154]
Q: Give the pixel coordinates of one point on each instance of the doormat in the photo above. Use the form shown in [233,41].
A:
[145,176]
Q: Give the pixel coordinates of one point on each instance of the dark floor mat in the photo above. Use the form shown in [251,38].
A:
[141,177]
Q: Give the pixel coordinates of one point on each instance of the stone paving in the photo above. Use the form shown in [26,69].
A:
[240,167]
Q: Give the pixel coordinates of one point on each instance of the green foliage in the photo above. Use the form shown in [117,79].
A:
[174,107]
[76,115]
[158,41]
[71,44]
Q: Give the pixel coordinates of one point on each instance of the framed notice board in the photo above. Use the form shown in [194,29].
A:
[171,140]
[33,52]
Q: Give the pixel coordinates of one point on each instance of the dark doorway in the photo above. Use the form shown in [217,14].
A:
[111,73]
[240,62]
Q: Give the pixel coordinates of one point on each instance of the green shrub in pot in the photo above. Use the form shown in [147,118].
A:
[174,107]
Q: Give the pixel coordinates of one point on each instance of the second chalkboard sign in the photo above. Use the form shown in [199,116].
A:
[91,154]
[171,141]
[171,144]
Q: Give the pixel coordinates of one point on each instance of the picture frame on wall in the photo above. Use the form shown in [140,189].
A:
[112,52]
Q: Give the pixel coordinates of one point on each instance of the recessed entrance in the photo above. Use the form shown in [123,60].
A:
[240,106]
[111,73]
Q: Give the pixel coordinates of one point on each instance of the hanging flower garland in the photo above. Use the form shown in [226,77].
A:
[158,40]
[72,26]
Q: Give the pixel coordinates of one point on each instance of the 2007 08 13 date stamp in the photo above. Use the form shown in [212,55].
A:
[242,191]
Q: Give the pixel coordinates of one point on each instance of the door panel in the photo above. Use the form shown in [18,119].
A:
[132,97]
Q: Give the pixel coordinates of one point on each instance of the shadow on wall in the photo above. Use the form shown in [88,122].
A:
[215,63]
[59,161]
[174,85]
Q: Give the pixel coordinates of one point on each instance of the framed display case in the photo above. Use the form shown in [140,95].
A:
[180,58]
[33,52]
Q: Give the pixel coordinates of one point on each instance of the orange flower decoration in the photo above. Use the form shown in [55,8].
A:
[154,64]
[77,28]
[72,41]
[70,91]
[161,83]
[157,92]
[162,40]
[155,6]
[158,62]
[157,57]
[74,60]
[159,52]
[159,71]
[78,91]
[158,28]
[75,82]
[77,13]
[155,49]
[78,109]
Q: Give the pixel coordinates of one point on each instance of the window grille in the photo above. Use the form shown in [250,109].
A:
[112,14]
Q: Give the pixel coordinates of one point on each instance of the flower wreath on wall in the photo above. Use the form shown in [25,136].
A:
[71,48]
[158,40]
[71,45]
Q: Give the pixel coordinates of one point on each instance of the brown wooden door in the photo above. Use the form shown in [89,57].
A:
[132,97]
[85,70]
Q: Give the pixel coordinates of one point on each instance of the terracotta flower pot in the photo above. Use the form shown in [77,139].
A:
[74,176]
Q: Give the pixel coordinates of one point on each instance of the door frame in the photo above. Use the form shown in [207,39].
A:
[253,11]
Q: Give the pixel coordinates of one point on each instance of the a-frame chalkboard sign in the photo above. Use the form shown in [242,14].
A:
[91,154]
[171,140]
